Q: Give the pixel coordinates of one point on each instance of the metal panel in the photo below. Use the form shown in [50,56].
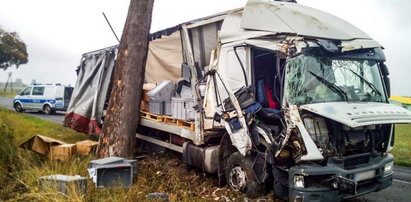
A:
[169,128]
[297,19]
[360,114]
[161,143]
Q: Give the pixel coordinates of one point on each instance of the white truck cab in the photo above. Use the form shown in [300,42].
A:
[43,97]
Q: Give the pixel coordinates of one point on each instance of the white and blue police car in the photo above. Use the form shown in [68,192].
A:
[43,97]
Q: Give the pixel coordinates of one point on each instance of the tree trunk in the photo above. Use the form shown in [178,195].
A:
[119,129]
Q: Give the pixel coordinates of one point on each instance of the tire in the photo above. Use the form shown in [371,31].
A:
[240,176]
[47,110]
[18,107]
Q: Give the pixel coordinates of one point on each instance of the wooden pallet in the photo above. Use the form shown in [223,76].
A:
[153,117]
[180,123]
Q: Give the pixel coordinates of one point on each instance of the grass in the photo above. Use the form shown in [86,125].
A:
[164,172]
[8,94]
[402,149]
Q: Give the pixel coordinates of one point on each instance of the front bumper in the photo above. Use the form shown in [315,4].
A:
[319,180]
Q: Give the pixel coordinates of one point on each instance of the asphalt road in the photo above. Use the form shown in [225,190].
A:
[399,191]
[58,117]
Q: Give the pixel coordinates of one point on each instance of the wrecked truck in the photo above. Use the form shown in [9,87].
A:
[286,98]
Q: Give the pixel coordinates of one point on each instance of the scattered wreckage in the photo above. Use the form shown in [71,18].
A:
[283,95]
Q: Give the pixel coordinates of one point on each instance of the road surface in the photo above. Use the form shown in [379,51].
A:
[399,191]
[57,118]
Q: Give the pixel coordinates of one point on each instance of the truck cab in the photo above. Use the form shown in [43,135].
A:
[320,126]
[331,127]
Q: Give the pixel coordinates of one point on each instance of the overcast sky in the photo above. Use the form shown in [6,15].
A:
[58,32]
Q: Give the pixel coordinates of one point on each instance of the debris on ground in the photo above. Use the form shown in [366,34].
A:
[157,195]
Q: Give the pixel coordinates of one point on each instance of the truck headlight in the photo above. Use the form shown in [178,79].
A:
[298,181]
[388,168]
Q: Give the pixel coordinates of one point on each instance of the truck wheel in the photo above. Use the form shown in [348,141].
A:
[240,176]
[18,107]
[47,110]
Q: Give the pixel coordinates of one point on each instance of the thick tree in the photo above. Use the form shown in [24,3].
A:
[12,50]
[119,129]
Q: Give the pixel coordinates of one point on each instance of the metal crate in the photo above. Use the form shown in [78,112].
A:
[156,107]
[113,175]
[113,171]
[167,108]
[106,161]
[183,109]
[64,184]
[164,91]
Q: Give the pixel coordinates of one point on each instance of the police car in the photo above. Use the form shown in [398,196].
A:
[43,97]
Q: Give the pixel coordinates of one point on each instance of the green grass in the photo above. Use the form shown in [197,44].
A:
[20,169]
[8,94]
[24,126]
[402,149]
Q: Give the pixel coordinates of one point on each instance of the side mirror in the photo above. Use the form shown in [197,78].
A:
[385,73]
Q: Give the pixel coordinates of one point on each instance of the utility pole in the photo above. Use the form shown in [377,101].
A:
[7,83]
[123,112]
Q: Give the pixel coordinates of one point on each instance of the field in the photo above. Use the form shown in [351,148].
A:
[8,93]
[163,172]
[402,150]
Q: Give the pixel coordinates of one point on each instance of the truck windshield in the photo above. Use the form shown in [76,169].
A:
[314,79]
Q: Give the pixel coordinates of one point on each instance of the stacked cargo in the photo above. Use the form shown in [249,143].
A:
[175,100]
[159,96]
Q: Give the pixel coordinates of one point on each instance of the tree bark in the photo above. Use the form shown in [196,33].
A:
[123,113]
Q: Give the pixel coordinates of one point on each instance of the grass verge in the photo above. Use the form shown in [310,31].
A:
[402,149]
[164,172]
[7,94]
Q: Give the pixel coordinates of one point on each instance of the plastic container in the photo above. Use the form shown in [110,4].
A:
[183,108]
[167,108]
[65,184]
[113,171]
[186,92]
[156,107]
[164,91]
[177,108]
[189,109]
[106,161]
[114,175]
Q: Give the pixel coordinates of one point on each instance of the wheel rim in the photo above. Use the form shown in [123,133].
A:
[47,110]
[18,107]
[237,178]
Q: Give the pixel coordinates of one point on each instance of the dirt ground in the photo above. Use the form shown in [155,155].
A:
[166,173]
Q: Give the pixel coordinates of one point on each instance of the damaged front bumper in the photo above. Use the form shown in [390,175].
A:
[334,182]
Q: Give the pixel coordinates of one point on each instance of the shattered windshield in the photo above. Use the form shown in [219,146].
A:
[314,79]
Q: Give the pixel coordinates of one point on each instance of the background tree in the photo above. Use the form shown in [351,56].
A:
[12,50]
[123,112]
[18,82]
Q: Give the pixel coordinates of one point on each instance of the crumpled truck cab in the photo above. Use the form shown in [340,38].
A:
[333,125]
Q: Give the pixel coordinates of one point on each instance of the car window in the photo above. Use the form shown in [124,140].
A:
[38,91]
[26,91]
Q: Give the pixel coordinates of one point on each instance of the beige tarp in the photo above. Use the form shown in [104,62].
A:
[164,59]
